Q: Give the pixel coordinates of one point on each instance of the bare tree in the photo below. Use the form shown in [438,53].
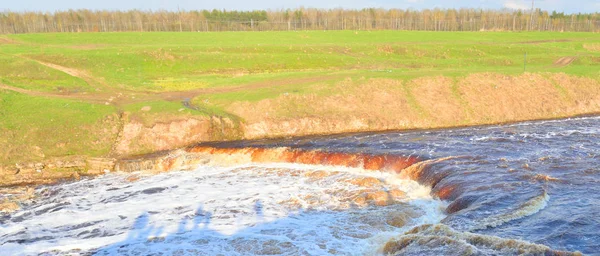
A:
[296,19]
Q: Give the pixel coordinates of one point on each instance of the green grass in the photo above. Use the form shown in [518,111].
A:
[182,61]
[28,74]
[270,63]
[36,127]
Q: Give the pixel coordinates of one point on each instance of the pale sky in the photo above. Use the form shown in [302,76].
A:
[568,6]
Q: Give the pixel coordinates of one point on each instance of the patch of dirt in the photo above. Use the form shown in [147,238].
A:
[342,50]
[87,46]
[4,40]
[161,54]
[592,47]
[386,49]
[564,61]
[545,41]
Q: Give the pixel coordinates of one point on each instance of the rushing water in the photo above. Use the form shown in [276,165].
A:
[253,209]
[535,182]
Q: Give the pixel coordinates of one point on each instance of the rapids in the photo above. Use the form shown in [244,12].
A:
[527,188]
[251,209]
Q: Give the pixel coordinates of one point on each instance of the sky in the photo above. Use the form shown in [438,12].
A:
[568,6]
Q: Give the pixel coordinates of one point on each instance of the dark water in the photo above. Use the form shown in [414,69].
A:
[537,182]
[534,181]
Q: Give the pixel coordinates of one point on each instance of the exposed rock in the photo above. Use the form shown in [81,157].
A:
[136,137]
[53,170]
[96,166]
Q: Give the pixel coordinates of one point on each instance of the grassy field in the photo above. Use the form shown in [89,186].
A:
[63,94]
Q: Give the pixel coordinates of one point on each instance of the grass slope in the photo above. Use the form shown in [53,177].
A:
[70,83]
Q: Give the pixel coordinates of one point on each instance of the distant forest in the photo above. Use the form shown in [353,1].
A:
[297,19]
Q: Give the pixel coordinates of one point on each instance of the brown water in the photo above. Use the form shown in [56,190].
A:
[533,181]
[529,188]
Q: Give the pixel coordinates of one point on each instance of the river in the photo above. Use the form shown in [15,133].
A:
[526,188]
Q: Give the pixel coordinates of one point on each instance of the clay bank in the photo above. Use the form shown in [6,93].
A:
[357,106]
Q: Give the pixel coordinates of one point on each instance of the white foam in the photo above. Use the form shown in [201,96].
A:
[212,210]
[531,207]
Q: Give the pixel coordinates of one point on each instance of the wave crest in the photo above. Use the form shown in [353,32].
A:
[440,239]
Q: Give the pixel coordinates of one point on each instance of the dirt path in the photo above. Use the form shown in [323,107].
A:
[175,95]
[119,96]
[564,61]
[92,81]
[69,71]
[107,98]
[93,98]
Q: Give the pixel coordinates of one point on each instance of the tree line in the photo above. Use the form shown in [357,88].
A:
[297,19]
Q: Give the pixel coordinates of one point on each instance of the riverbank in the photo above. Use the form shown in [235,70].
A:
[376,105]
[372,105]
[68,168]
[76,104]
